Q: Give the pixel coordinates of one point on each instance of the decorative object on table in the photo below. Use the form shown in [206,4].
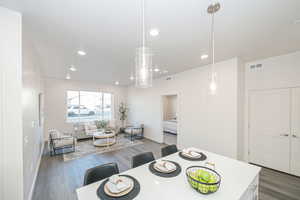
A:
[142,159]
[101,124]
[134,132]
[107,131]
[168,150]
[192,154]
[204,179]
[60,141]
[86,148]
[100,172]
[172,169]
[123,111]
[104,192]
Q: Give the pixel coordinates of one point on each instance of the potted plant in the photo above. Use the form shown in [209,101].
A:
[101,124]
[123,111]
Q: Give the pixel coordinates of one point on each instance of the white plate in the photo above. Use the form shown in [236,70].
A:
[163,169]
[114,189]
[191,156]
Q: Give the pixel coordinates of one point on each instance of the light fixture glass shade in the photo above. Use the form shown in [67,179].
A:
[143,67]
[213,83]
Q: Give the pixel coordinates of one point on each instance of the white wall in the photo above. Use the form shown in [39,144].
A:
[56,100]
[32,131]
[205,121]
[276,72]
[241,109]
[11,142]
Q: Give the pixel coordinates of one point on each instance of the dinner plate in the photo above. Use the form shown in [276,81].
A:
[114,193]
[164,170]
[190,156]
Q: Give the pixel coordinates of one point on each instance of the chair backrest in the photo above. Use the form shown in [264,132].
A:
[142,158]
[100,172]
[170,149]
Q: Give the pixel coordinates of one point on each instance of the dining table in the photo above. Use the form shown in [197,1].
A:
[239,181]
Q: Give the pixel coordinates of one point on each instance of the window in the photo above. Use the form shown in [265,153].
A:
[83,106]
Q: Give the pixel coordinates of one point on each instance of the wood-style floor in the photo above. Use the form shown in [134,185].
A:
[58,180]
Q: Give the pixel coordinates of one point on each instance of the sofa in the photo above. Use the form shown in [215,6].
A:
[85,130]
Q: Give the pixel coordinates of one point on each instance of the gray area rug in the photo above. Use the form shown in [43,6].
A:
[86,147]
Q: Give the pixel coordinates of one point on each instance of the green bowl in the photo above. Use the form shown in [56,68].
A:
[203,179]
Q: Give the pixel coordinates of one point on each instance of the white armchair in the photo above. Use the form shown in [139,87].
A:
[60,141]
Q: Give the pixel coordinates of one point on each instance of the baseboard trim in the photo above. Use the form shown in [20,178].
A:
[36,172]
[153,140]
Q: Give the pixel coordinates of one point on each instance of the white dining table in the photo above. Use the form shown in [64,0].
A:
[237,179]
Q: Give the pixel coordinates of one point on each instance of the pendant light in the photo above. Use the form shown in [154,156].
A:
[212,9]
[143,59]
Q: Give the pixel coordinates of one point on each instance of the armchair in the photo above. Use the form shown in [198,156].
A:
[134,131]
[59,141]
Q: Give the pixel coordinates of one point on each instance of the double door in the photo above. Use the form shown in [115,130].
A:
[274,129]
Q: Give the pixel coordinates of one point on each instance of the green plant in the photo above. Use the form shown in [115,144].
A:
[101,124]
[123,110]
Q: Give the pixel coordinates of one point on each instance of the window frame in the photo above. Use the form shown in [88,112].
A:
[79,120]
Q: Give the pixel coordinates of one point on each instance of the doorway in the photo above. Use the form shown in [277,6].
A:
[170,118]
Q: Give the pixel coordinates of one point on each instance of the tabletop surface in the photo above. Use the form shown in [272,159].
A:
[102,134]
[236,178]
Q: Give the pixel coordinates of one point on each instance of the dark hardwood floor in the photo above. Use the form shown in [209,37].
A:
[58,180]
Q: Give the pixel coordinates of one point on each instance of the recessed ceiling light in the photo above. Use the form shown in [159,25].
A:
[154,32]
[131,78]
[204,56]
[72,68]
[117,83]
[68,77]
[156,69]
[82,53]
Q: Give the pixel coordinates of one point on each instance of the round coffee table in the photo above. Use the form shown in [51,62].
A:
[102,139]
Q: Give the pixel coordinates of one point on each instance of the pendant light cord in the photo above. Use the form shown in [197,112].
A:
[213,38]
[143,23]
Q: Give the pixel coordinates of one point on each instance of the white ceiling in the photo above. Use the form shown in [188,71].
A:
[108,30]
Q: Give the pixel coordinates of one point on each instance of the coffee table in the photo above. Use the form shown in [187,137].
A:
[102,139]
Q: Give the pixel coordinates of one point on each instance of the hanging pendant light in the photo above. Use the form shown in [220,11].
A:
[143,59]
[212,9]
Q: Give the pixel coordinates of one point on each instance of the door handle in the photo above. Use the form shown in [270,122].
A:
[295,136]
[285,135]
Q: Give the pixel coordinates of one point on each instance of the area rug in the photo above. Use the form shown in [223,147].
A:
[86,147]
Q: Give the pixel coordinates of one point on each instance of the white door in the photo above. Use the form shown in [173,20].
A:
[295,132]
[269,128]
